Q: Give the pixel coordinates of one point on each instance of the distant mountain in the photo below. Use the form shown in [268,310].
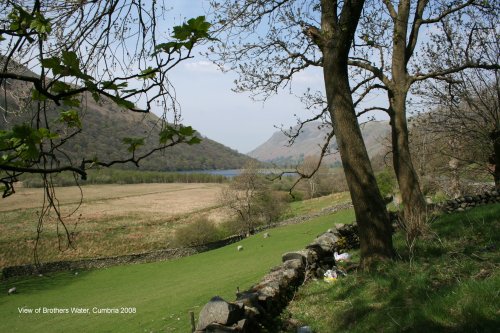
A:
[312,137]
[104,125]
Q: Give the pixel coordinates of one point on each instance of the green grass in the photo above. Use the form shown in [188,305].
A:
[452,285]
[298,208]
[162,292]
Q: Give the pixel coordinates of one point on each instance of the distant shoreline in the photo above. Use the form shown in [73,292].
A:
[230,173]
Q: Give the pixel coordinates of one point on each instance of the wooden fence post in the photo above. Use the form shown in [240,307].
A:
[193,325]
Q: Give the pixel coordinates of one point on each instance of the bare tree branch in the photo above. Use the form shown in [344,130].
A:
[378,72]
[390,8]
[442,73]
[448,12]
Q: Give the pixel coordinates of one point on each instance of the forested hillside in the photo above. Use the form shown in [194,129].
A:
[104,125]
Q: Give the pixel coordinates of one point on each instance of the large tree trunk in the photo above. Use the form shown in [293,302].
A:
[375,230]
[409,185]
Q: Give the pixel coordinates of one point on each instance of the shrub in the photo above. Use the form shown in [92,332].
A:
[415,225]
[232,227]
[296,196]
[440,196]
[386,182]
[272,205]
[197,232]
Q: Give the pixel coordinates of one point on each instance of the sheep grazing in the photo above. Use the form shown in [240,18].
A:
[240,247]
[12,290]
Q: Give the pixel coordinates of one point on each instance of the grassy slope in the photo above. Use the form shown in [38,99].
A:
[163,292]
[452,285]
[314,205]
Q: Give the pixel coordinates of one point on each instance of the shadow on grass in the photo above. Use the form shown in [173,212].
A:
[35,284]
[451,286]
[410,303]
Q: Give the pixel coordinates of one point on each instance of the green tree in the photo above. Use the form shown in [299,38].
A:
[107,50]
[386,182]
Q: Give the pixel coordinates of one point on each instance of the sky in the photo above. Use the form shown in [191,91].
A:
[233,119]
[210,106]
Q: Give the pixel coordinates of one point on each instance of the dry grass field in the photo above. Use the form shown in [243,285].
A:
[110,220]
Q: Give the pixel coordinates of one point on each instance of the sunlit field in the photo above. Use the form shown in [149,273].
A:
[110,220]
[158,296]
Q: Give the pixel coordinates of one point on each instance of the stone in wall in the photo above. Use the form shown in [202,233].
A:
[347,236]
[219,312]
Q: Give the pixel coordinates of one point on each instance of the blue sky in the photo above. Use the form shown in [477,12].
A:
[209,105]
[235,120]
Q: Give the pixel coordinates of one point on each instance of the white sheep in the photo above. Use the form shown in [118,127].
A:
[240,247]
[12,290]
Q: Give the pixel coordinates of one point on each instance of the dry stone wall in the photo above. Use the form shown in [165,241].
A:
[469,201]
[255,310]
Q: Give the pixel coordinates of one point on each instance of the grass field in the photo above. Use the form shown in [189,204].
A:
[450,286]
[110,199]
[112,220]
[161,293]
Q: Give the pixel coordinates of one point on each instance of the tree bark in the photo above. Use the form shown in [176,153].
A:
[409,185]
[375,230]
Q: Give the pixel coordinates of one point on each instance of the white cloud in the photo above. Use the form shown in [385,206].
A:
[202,66]
[309,77]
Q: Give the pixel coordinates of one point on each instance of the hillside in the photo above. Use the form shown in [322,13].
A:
[277,149]
[104,125]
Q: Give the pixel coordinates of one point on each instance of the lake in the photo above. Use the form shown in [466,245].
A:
[235,172]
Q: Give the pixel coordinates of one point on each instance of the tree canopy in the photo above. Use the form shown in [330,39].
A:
[404,43]
[57,55]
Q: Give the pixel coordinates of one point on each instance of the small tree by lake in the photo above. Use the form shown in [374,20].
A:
[250,198]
